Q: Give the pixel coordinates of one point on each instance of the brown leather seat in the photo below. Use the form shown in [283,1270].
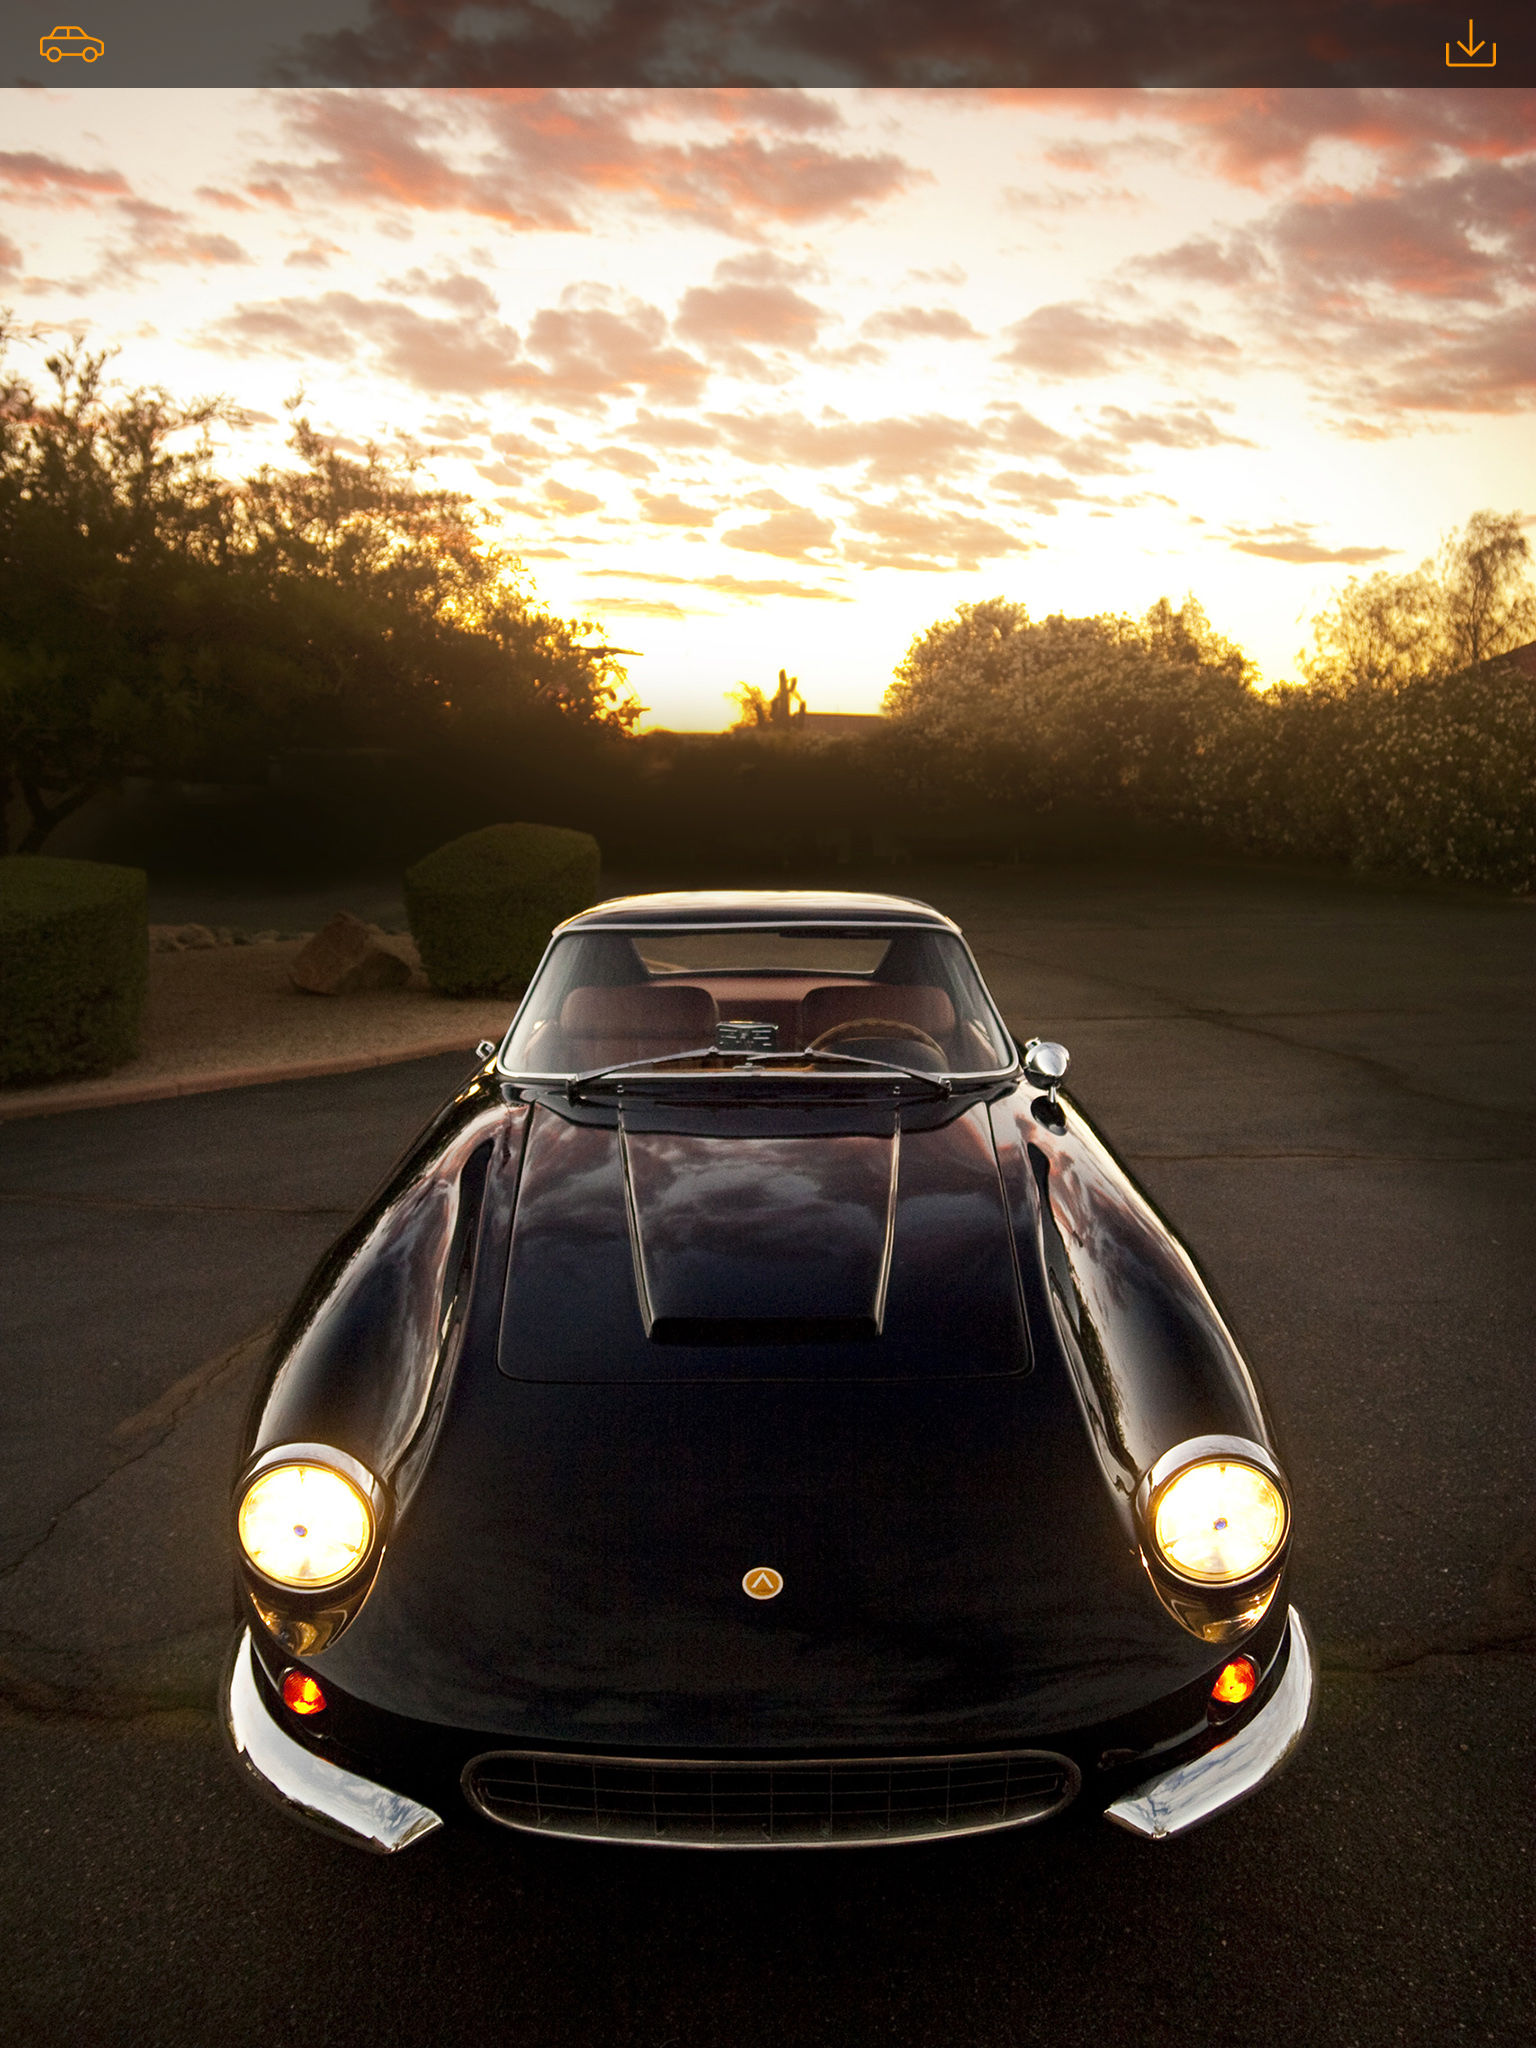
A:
[602,1026]
[928,1009]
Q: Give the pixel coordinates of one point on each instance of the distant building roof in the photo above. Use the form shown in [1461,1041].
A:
[1522,658]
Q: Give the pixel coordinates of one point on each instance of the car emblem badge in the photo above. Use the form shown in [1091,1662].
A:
[762,1582]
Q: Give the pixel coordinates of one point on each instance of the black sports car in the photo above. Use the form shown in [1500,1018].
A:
[760,1412]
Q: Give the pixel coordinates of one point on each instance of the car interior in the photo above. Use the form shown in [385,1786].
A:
[619,1009]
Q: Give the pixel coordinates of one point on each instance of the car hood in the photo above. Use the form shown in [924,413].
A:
[571,1570]
[568,1562]
[715,1245]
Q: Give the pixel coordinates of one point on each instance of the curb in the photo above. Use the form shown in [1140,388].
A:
[53,1101]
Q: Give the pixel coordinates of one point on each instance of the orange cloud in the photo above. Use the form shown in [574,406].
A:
[568,499]
[790,531]
[667,509]
[738,586]
[1294,543]
[902,537]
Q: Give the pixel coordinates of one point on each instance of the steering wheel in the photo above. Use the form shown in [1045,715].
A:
[873,1027]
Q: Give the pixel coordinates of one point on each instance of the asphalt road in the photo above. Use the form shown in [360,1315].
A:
[1332,1091]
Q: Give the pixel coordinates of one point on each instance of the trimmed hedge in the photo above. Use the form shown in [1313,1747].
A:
[74,962]
[482,907]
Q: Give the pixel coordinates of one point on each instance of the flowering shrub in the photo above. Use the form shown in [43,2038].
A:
[1060,713]
[1156,722]
[1434,776]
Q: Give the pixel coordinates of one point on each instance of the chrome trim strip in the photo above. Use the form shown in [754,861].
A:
[309,1787]
[1207,1785]
[1071,1782]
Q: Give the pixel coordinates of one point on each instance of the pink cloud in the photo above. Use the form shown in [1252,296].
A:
[160,235]
[900,323]
[1080,341]
[1471,235]
[1258,133]
[545,159]
[595,346]
[581,354]
[31,175]
[904,537]
[315,255]
[1185,426]
[729,321]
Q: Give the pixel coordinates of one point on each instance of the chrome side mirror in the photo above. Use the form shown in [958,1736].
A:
[1045,1065]
[485,1048]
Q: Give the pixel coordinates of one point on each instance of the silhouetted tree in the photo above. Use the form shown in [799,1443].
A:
[762,713]
[157,616]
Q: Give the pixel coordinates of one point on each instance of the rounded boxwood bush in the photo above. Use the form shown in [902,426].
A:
[74,961]
[482,907]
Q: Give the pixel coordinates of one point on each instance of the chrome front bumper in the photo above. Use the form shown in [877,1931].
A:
[370,1816]
[307,1786]
[1192,1792]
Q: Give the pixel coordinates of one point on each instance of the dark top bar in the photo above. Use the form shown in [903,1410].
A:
[808,43]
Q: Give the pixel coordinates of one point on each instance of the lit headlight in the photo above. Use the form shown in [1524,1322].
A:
[304,1525]
[1217,1521]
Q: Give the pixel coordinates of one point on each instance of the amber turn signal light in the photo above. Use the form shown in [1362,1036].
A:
[302,1694]
[1236,1681]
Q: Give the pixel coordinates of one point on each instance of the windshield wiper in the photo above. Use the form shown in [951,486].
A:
[854,1059]
[750,1062]
[660,1059]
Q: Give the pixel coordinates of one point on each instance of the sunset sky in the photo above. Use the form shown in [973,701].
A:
[781,377]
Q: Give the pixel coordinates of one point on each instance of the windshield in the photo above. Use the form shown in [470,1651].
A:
[606,998]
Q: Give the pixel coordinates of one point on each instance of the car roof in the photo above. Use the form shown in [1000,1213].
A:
[706,908]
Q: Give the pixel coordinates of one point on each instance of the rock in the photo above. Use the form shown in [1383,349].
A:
[180,938]
[403,946]
[348,957]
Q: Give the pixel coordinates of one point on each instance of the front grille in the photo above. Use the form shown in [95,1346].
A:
[842,1802]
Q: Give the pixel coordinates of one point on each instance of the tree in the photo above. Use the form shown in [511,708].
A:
[1489,603]
[1472,601]
[761,713]
[158,617]
[107,513]
[1099,710]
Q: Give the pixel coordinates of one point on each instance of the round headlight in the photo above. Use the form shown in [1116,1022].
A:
[304,1525]
[1218,1521]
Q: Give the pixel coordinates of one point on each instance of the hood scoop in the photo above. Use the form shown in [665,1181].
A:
[652,1254]
[780,1241]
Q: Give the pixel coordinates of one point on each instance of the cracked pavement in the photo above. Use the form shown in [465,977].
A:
[1331,1090]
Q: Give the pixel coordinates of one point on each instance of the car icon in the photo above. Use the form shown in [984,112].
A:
[71,42]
